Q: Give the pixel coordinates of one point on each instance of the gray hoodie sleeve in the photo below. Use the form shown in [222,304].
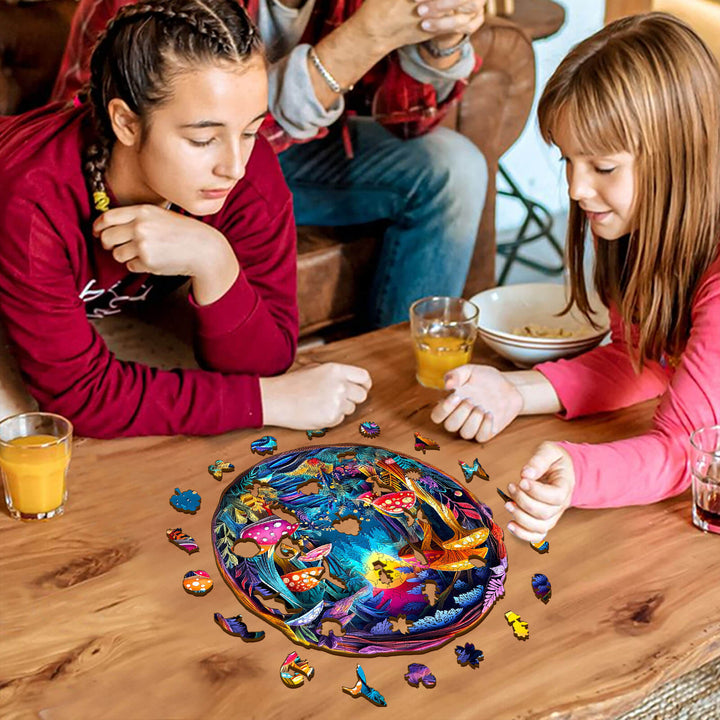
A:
[296,109]
[443,81]
[292,97]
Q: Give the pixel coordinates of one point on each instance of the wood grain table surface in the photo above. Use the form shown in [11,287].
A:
[94,622]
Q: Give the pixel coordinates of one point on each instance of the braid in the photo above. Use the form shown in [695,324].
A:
[133,57]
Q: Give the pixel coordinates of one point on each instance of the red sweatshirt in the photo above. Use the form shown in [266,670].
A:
[54,274]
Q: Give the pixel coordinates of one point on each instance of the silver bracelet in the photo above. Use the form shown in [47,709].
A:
[332,83]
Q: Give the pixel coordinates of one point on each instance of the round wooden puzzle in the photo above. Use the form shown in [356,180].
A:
[359,550]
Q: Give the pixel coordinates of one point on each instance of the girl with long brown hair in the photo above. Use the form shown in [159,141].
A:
[156,179]
[635,112]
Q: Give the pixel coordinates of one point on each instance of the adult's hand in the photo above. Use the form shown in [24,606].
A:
[482,402]
[314,397]
[150,239]
[543,494]
[449,20]
[389,24]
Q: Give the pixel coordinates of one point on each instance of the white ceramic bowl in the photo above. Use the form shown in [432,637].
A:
[507,308]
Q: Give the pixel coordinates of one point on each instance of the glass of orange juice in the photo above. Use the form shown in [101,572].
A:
[35,450]
[443,331]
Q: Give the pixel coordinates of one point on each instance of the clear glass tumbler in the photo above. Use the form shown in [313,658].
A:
[35,451]
[443,331]
[705,470]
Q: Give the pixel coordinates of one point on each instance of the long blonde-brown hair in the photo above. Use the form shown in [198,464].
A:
[649,86]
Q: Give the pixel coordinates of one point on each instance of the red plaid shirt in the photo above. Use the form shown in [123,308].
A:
[404,105]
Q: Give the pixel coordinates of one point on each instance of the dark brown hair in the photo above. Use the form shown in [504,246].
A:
[143,46]
[646,85]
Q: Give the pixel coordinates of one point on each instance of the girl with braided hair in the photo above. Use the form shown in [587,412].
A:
[159,177]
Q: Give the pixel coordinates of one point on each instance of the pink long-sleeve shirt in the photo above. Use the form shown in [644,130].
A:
[54,275]
[653,466]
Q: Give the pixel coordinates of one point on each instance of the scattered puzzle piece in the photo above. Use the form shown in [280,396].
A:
[266,445]
[468,655]
[504,496]
[424,444]
[418,673]
[180,539]
[541,587]
[542,547]
[369,429]
[475,469]
[519,627]
[315,433]
[362,689]
[197,582]
[237,628]
[219,467]
[187,501]
[294,671]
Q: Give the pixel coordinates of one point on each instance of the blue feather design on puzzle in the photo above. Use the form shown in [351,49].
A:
[266,445]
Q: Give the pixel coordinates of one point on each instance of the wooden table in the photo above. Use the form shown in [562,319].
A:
[94,622]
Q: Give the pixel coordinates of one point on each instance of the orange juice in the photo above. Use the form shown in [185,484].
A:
[436,355]
[34,476]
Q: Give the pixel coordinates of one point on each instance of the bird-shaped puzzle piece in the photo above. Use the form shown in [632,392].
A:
[475,469]
[519,627]
[219,467]
[424,444]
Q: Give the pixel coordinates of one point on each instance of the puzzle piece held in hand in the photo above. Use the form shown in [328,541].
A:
[542,547]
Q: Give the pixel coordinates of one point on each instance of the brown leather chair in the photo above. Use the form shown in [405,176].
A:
[334,264]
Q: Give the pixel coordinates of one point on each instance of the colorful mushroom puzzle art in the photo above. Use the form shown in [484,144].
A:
[352,534]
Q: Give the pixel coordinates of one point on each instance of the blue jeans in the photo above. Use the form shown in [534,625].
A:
[431,190]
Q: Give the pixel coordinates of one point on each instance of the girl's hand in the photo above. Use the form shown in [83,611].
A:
[483,402]
[150,239]
[546,486]
[314,397]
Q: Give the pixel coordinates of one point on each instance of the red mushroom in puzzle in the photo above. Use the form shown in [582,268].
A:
[392,503]
[268,532]
[302,580]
